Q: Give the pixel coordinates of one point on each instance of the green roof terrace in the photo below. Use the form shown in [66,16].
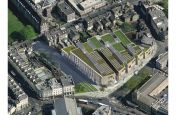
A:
[137,49]
[102,69]
[82,56]
[94,42]
[118,47]
[69,48]
[87,47]
[107,38]
[127,56]
[123,38]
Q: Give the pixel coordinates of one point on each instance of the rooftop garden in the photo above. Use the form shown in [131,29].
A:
[87,47]
[122,37]
[118,47]
[69,48]
[95,42]
[81,55]
[108,38]
[127,56]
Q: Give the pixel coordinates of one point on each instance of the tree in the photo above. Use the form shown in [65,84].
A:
[28,32]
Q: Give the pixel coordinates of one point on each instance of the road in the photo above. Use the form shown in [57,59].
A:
[115,105]
[64,65]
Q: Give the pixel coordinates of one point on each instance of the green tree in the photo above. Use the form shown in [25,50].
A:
[28,32]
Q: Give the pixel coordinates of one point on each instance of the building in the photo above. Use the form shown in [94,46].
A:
[97,25]
[87,6]
[106,59]
[152,97]
[117,11]
[56,36]
[88,23]
[162,61]
[20,99]
[44,4]
[66,106]
[66,12]
[156,18]
[147,40]
[11,107]
[68,85]
[103,110]
[38,77]
[73,35]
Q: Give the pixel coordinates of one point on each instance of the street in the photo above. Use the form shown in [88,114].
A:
[115,105]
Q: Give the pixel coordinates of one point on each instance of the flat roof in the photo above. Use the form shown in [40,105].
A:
[65,8]
[95,61]
[152,84]
[119,47]
[69,48]
[89,3]
[87,47]
[127,56]
[93,41]
[123,38]
[82,56]
[108,54]
[137,49]
[66,80]
[107,38]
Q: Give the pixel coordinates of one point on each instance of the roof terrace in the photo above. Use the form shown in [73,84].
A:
[123,38]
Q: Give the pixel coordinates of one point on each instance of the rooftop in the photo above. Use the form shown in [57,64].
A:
[149,92]
[110,57]
[123,38]
[119,47]
[65,106]
[69,48]
[162,57]
[16,89]
[103,110]
[66,80]
[94,43]
[65,8]
[127,56]
[95,61]
[87,47]
[89,3]
[108,38]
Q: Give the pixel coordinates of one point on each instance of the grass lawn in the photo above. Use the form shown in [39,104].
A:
[95,42]
[84,87]
[122,37]
[13,23]
[17,30]
[137,80]
[108,37]
[118,47]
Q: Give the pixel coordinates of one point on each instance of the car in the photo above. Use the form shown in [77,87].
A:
[13,73]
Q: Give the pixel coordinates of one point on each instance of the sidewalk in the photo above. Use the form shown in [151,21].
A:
[127,76]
